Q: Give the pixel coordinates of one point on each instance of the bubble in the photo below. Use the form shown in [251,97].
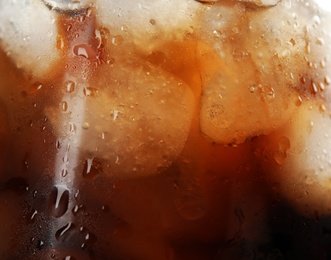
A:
[58,201]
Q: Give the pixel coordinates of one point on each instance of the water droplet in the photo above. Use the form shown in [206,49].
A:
[34,88]
[70,86]
[279,157]
[40,244]
[77,209]
[31,216]
[117,40]
[64,173]
[190,205]
[85,51]
[90,92]
[284,145]
[66,232]
[320,41]
[252,88]
[59,42]
[267,93]
[86,125]
[322,108]
[105,208]
[72,128]
[115,114]
[298,101]
[58,201]
[64,106]
[92,167]
[58,144]
[65,158]
[77,193]
[97,34]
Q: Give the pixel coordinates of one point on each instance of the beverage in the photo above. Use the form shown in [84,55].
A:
[164,130]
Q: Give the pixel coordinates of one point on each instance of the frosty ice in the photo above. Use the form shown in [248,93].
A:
[165,129]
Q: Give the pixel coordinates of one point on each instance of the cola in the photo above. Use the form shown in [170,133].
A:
[176,129]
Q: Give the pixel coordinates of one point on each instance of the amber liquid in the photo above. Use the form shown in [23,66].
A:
[59,201]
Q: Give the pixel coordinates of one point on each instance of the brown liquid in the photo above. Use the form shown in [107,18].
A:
[59,201]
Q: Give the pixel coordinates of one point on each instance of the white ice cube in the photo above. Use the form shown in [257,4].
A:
[28,34]
[136,120]
[253,64]
[148,22]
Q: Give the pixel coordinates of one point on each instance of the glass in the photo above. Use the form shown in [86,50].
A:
[165,129]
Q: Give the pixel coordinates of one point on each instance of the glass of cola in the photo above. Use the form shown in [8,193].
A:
[165,129]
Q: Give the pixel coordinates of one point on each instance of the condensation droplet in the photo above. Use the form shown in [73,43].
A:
[284,145]
[58,145]
[267,93]
[117,40]
[58,201]
[298,101]
[64,106]
[70,86]
[92,167]
[85,51]
[31,216]
[65,232]
[64,173]
[77,209]
[86,125]
[59,42]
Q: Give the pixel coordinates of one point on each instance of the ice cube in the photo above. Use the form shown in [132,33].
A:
[149,22]
[252,66]
[137,118]
[264,3]
[28,35]
[298,158]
